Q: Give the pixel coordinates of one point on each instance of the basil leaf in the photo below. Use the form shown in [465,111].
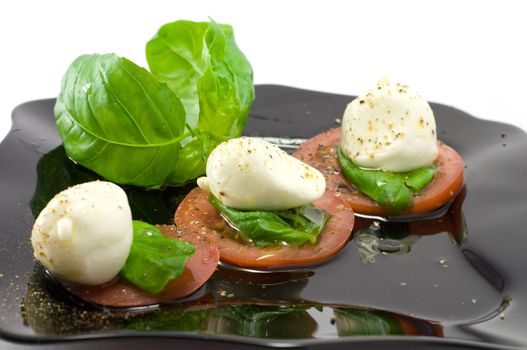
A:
[418,179]
[393,191]
[203,66]
[116,119]
[265,228]
[155,259]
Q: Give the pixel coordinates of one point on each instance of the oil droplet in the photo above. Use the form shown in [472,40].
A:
[502,316]
[443,262]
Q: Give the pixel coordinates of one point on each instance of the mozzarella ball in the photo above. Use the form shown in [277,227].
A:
[253,174]
[84,233]
[390,127]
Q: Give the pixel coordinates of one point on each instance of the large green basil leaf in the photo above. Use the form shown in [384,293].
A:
[295,226]
[155,259]
[393,191]
[116,119]
[203,66]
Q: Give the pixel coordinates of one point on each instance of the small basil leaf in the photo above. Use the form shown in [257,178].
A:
[393,191]
[155,259]
[295,226]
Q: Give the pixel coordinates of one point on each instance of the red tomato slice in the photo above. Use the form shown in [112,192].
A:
[198,269]
[320,152]
[196,213]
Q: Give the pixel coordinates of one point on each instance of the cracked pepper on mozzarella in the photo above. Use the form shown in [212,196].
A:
[391,128]
[84,233]
[253,174]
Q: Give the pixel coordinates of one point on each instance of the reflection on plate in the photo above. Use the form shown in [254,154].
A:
[457,279]
[49,311]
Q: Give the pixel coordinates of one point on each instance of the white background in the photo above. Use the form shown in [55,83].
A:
[468,54]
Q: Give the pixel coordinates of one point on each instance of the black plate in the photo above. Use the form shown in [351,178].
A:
[459,289]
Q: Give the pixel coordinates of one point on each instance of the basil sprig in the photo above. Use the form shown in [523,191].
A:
[154,129]
[393,191]
[295,226]
[155,259]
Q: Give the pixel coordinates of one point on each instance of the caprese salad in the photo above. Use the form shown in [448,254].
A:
[265,209]
[385,158]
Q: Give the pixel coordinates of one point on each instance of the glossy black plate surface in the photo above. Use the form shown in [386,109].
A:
[458,289]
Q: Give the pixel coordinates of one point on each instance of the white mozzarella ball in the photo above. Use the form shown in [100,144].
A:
[85,232]
[390,127]
[253,174]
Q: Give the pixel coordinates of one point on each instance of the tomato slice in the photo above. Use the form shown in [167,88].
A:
[320,152]
[196,213]
[198,269]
